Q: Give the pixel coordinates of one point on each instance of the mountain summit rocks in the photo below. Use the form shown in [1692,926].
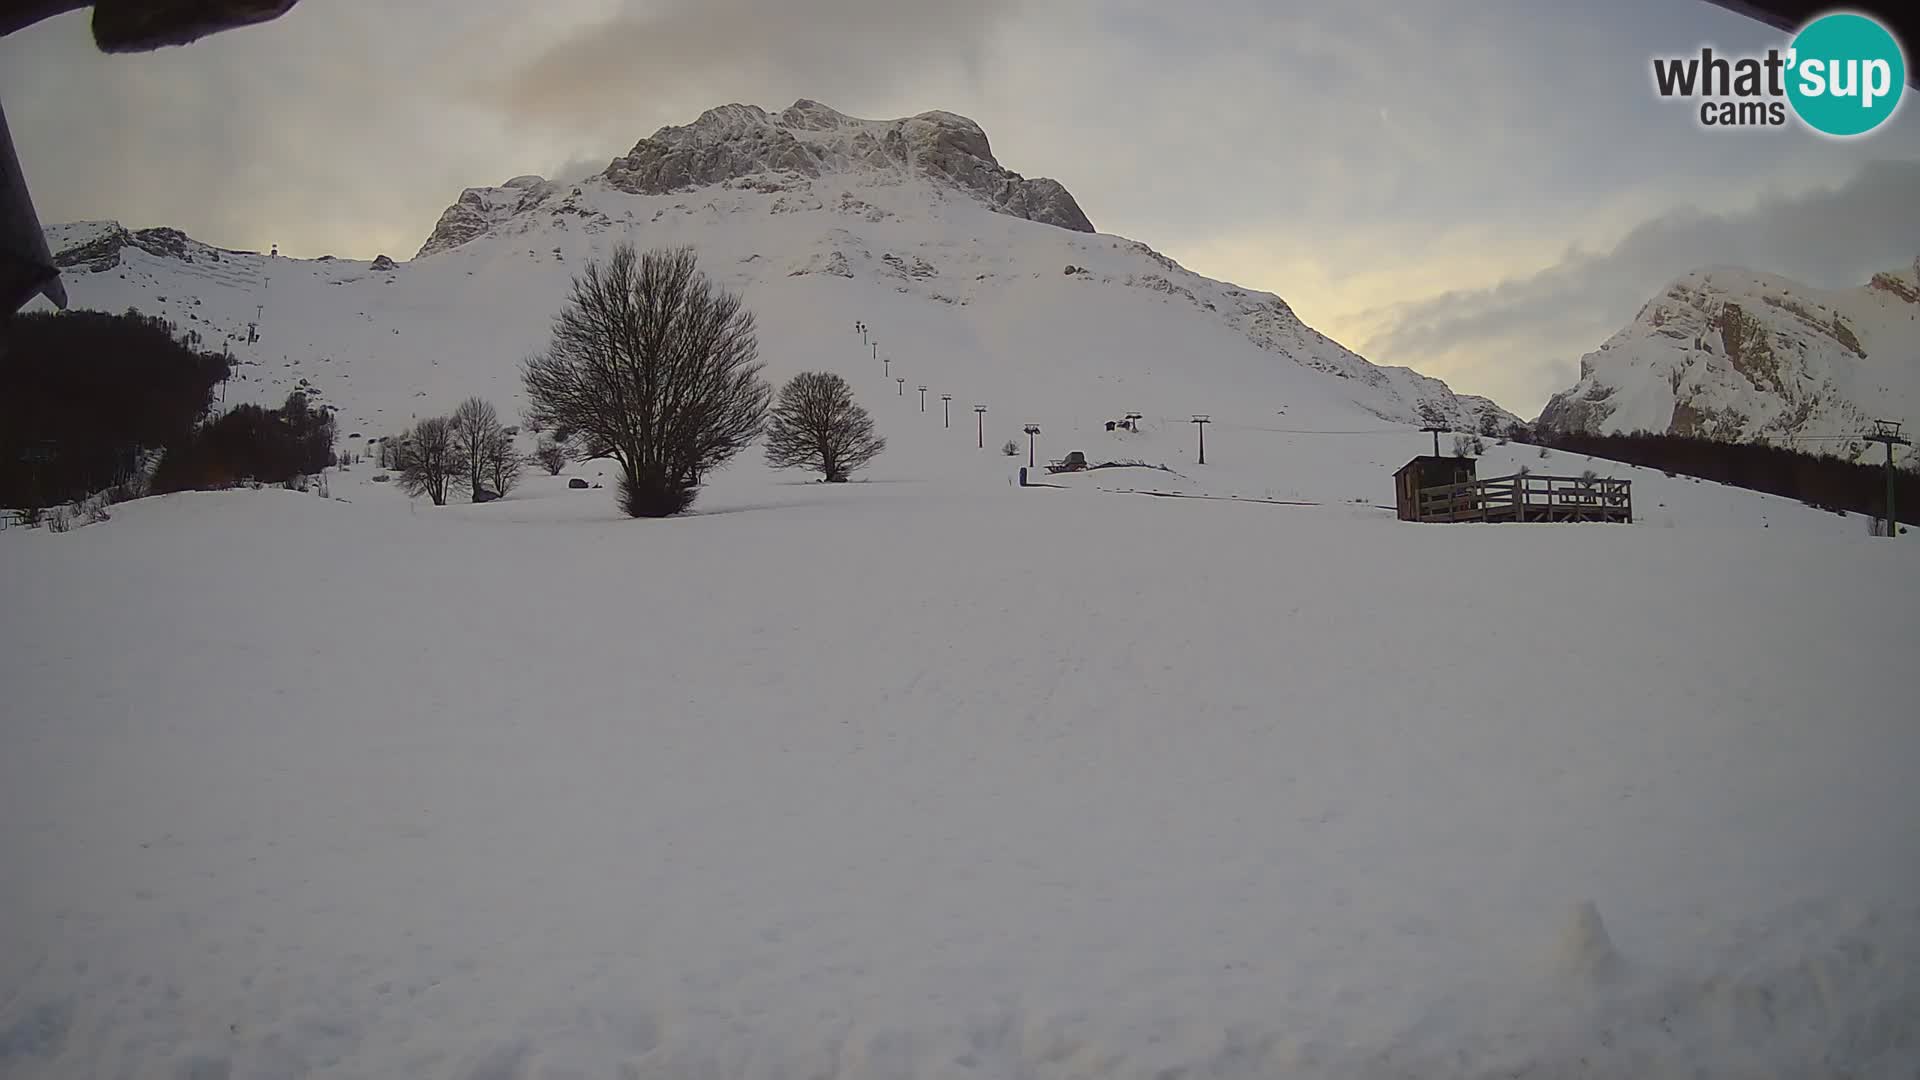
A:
[810,140]
[478,210]
[744,145]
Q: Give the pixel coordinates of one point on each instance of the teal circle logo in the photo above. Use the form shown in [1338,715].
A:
[1845,74]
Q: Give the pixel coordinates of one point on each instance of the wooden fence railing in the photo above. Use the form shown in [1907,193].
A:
[1529,497]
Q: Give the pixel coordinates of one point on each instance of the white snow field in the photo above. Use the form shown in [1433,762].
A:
[930,775]
[948,778]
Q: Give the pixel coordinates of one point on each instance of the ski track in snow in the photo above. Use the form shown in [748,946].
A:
[910,779]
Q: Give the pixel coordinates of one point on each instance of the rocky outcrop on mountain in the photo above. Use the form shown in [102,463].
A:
[96,246]
[1738,356]
[92,247]
[809,140]
[727,143]
[98,253]
[478,210]
[381,262]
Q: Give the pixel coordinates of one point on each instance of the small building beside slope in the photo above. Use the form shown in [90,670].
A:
[1423,472]
[1442,489]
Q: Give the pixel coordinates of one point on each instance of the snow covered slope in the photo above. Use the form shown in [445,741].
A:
[1194,771]
[1740,356]
[975,281]
[888,780]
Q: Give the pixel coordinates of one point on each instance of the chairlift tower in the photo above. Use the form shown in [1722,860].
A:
[1888,432]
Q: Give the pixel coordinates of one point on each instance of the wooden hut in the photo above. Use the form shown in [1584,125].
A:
[1426,471]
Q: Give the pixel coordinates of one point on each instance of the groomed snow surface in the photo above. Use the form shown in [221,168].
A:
[917,778]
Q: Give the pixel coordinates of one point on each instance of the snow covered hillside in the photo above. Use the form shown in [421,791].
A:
[820,220]
[897,779]
[1160,770]
[1740,356]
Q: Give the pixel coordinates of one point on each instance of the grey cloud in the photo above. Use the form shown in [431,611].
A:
[1828,238]
[666,63]
[301,132]
[574,170]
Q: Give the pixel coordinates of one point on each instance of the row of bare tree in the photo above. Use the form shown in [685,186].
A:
[468,450]
[655,367]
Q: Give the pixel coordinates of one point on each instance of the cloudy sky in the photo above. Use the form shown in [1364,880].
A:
[1481,189]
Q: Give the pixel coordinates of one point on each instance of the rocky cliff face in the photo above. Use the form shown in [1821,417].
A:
[809,140]
[478,210]
[1733,355]
[745,146]
[95,246]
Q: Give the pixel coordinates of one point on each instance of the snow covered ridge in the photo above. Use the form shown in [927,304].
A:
[94,246]
[977,281]
[805,142]
[903,257]
[1731,354]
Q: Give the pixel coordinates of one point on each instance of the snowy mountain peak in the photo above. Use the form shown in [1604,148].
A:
[809,115]
[809,139]
[93,246]
[804,143]
[478,210]
[1732,354]
[991,281]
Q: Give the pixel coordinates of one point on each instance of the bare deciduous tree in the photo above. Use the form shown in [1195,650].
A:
[817,425]
[428,459]
[476,430]
[503,463]
[551,455]
[654,366]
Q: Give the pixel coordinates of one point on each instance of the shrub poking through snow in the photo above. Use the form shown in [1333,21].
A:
[653,365]
[1011,448]
[551,455]
[817,425]
[428,460]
